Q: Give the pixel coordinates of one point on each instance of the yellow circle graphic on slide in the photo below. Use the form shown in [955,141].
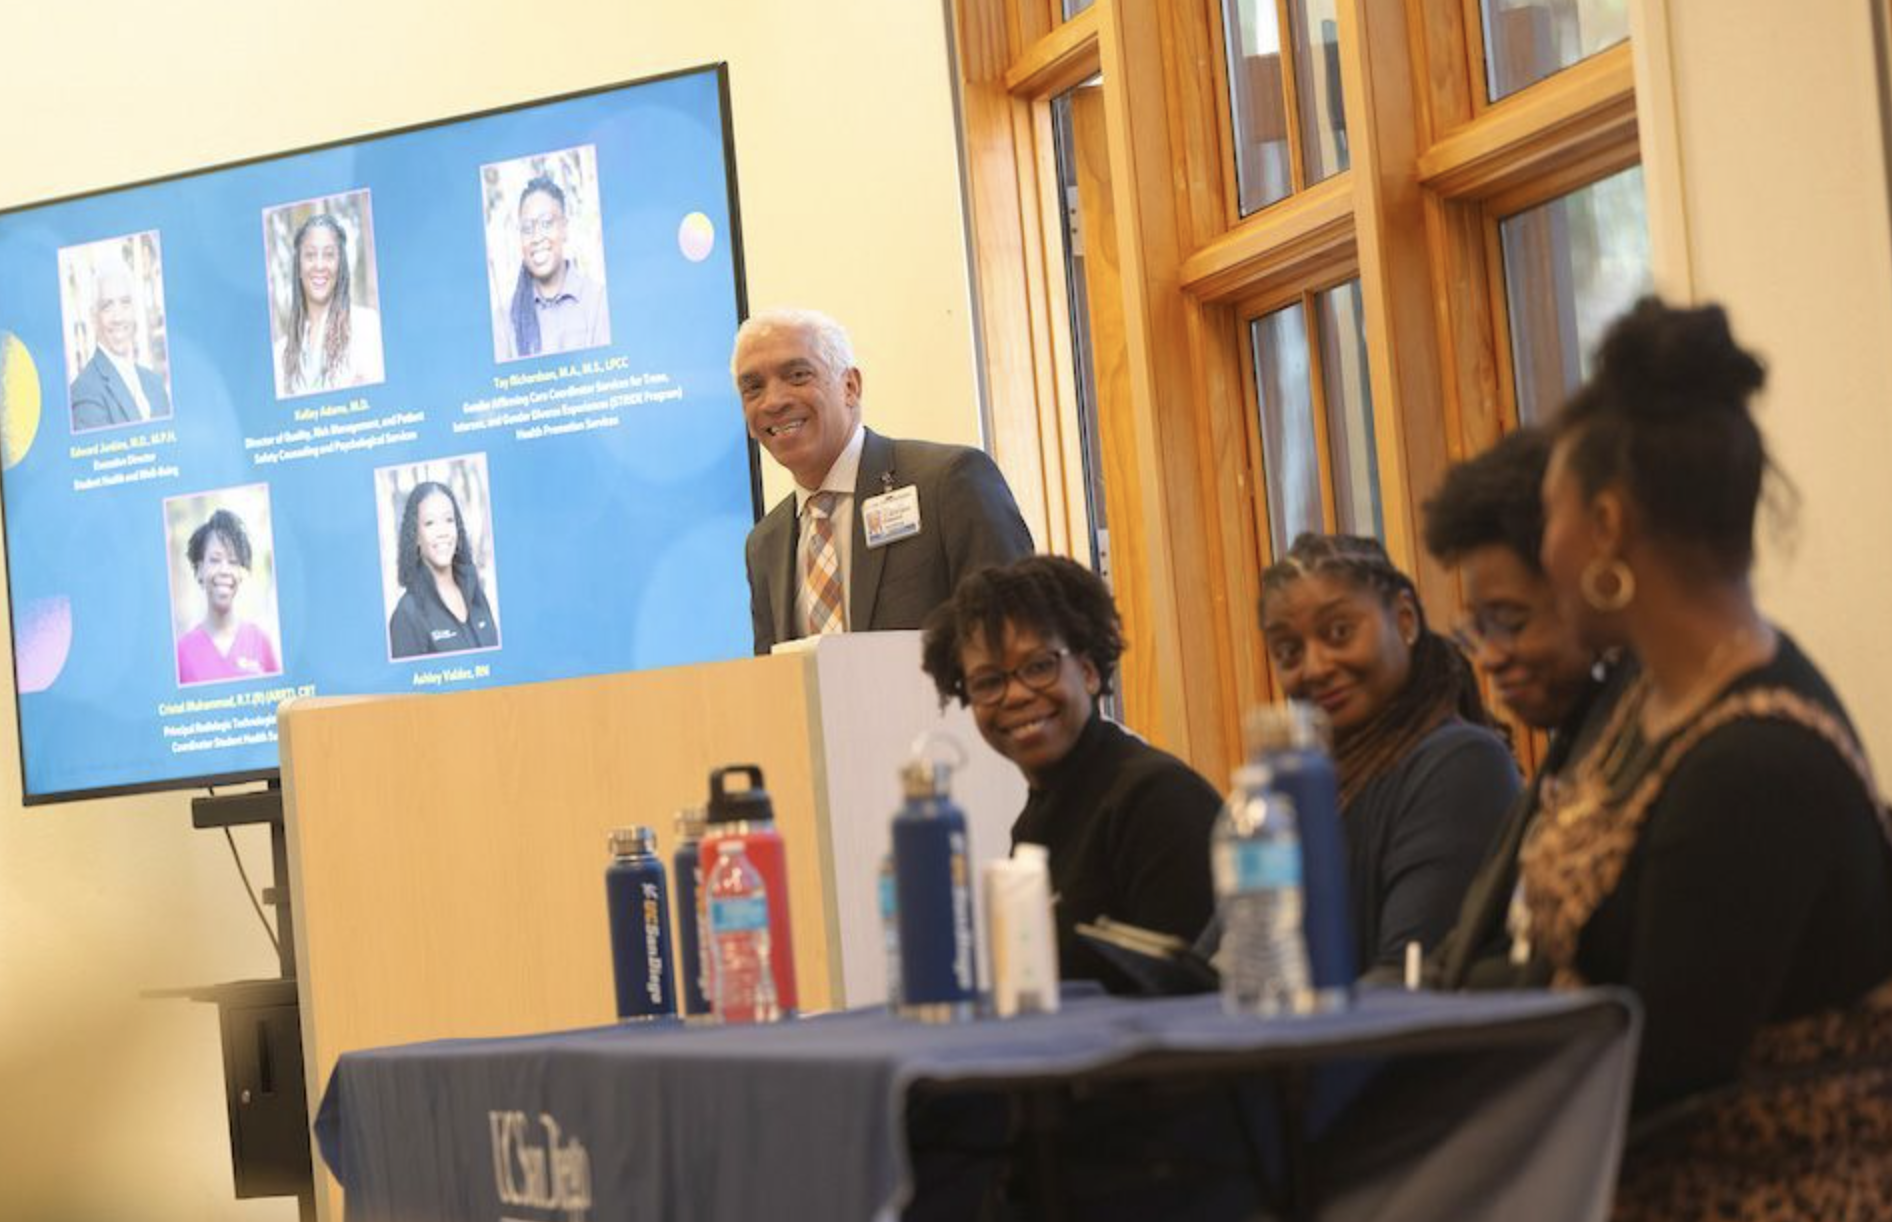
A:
[19,399]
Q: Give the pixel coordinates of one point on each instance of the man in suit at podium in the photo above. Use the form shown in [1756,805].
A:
[113,388]
[878,532]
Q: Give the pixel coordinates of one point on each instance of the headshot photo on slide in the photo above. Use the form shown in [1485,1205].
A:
[111,300]
[324,295]
[545,254]
[439,582]
[224,607]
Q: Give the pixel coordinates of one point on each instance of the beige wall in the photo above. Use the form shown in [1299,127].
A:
[1768,184]
[850,202]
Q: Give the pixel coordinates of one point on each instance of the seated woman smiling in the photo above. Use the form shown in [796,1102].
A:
[1032,646]
[1424,781]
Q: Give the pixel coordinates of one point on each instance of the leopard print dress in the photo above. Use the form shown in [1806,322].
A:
[1806,1130]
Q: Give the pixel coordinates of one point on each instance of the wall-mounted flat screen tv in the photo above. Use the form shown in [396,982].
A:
[439,408]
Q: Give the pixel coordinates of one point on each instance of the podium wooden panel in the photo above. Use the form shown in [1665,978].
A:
[446,851]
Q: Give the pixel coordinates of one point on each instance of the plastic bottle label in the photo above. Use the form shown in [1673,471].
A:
[1266,864]
[739,914]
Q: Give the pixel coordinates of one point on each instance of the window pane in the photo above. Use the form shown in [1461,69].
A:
[1570,267]
[1077,290]
[1317,84]
[1528,40]
[1073,7]
[1356,470]
[1257,102]
[1290,453]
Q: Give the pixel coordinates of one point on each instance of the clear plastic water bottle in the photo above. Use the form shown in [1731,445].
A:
[1256,855]
[1290,742]
[742,980]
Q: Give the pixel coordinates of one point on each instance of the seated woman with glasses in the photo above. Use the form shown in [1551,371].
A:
[1032,646]
[1487,521]
[1424,780]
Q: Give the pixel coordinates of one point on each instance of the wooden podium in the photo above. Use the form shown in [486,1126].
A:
[447,851]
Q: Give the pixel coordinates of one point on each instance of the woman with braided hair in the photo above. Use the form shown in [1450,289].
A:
[328,341]
[1424,780]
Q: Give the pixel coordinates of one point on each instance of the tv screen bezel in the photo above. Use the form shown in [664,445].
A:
[720,70]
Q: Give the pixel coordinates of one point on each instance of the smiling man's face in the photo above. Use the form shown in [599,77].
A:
[800,410]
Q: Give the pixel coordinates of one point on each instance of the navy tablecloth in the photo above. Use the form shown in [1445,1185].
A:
[1416,1105]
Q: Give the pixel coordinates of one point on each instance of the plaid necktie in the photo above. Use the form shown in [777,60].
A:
[821,580]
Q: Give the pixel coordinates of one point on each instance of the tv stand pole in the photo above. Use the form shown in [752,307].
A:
[261,1026]
[260,806]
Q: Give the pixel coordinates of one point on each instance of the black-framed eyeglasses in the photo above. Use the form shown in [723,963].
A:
[1038,672]
[1499,629]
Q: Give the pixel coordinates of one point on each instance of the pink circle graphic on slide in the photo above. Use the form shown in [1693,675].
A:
[696,237]
[43,640]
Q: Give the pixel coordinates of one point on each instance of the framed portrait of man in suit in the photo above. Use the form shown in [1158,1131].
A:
[118,367]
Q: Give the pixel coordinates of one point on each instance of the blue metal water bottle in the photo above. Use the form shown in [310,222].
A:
[932,865]
[1288,742]
[691,990]
[640,925]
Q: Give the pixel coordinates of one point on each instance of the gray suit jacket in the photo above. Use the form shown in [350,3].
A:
[101,399]
[968,520]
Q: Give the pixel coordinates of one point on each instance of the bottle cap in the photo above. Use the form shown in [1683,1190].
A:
[690,823]
[749,805]
[925,774]
[1287,725]
[629,841]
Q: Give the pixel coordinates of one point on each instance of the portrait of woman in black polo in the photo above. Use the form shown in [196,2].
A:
[443,608]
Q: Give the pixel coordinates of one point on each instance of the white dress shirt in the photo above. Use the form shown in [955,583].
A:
[128,373]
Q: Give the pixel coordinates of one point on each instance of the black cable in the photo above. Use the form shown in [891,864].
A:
[251,891]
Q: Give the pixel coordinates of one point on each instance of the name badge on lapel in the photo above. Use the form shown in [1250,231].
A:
[891,516]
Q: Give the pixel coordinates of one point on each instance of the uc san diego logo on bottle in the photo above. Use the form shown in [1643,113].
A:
[538,1166]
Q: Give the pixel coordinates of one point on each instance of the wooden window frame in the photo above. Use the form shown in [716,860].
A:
[1433,167]
[1544,141]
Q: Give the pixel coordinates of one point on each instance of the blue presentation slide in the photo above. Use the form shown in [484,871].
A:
[429,411]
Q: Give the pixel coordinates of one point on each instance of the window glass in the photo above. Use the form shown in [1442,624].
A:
[1257,102]
[1317,84]
[1296,450]
[1570,267]
[1528,40]
[1290,448]
[1356,470]
[1077,291]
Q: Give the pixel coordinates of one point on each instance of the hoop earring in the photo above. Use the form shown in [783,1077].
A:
[1600,597]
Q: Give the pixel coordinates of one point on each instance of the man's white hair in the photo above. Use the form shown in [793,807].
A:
[829,338]
[106,268]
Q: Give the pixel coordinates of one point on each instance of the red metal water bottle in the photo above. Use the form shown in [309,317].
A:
[747,817]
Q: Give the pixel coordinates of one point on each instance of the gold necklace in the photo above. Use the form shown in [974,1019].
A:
[1727,659]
